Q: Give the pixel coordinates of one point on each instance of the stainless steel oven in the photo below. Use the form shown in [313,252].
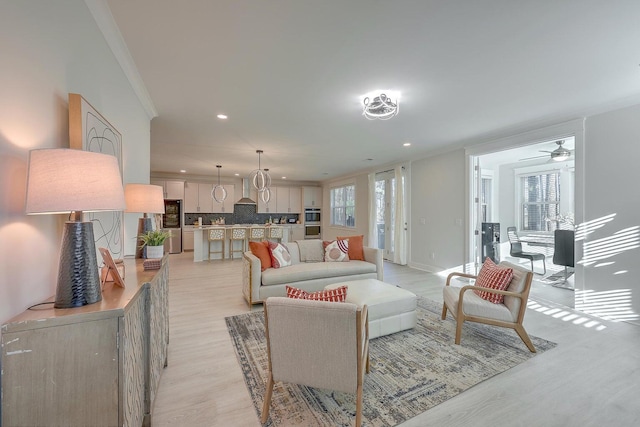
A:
[312,231]
[312,216]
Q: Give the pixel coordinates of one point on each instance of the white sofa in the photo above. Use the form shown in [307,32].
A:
[258,285]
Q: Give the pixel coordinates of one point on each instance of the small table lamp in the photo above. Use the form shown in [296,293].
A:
[145,199]
[64,180]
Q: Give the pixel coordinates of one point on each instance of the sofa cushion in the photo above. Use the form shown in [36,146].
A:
[294,251]
[476,306]
[493,277]
[311,250]
[261,251]
[280,256]
[336,251]
[356,247]
[338,294]
[316,270]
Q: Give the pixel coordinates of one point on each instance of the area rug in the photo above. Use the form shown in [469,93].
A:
[411,371]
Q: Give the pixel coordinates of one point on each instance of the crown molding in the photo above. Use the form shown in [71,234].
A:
[107,25]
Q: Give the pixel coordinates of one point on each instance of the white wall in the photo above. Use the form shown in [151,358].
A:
[611,155]
[438,197]
[50,49]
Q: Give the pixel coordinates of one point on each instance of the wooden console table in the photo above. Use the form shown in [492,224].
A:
[96,365]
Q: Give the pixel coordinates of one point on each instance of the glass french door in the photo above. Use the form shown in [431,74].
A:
[385,212]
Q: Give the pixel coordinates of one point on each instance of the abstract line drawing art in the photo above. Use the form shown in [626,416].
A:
[90,131]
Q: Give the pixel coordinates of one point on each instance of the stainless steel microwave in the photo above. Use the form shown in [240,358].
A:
[312,232]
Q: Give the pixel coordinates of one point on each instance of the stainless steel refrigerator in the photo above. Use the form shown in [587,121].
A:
[172,221]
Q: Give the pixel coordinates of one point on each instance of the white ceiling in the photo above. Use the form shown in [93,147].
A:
[289,74]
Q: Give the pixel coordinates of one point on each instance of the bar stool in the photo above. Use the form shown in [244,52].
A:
[217,234]
[257,233]
[276,233]
[238,234]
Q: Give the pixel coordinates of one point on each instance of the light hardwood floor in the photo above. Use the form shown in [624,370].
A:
[592,378]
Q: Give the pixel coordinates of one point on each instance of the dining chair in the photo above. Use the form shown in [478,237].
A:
[563,250]
[516,250]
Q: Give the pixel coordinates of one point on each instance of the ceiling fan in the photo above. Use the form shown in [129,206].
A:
[558,155]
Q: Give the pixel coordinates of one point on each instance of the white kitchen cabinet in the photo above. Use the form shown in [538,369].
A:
[312,197]
[170,189]
[187,239]
[227,205]
[268,207]
[197,198]
[287,200]
[295,200]
[297,232]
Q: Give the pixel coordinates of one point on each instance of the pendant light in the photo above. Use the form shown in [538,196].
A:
[260,178]
[265,194]
[219,193]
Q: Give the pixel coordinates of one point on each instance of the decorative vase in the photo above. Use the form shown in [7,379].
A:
[155,251]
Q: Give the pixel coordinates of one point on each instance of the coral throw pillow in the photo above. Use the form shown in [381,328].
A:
[261,250]
[280,256]
[493,277]
[355,247]
[338,294]
[336,251]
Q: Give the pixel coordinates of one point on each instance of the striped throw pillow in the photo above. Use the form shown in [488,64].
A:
[332,295]
[493,277]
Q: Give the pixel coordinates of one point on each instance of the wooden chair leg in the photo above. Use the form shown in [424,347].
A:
[267,400]
[459,323]
[525,338]
[444,311]
[359,406]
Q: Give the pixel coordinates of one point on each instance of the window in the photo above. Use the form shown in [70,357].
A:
[486,198]
[343,206]
[540,201]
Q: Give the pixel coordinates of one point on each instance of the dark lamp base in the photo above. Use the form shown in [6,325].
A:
[78,279]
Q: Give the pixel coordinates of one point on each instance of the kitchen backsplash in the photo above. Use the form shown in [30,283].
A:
[243,214]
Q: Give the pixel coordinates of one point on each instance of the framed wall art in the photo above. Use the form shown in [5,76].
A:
[90,131]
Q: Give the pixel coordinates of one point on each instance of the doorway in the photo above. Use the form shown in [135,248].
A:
[526,188]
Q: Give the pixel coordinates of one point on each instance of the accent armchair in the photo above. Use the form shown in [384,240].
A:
[317,344]
[466,305]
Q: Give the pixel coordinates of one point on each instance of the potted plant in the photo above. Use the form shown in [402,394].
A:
[154,242]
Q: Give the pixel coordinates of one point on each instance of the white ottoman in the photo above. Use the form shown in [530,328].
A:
[391,309]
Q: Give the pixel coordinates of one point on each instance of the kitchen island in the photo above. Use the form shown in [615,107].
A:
[201,240]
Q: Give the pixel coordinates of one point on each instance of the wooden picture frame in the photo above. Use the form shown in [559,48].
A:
[112,269]
[90,131]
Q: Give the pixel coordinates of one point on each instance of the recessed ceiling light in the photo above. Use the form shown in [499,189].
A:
[236,174]
[406,144]
[284,177]
[183,171]
[222,116]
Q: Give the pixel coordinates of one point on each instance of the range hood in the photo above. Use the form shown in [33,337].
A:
[246,200]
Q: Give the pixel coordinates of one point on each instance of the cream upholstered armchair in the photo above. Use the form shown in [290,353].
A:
[466,305]
[317,344]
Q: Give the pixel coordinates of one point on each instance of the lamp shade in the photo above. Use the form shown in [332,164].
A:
[61,180]
[144,198]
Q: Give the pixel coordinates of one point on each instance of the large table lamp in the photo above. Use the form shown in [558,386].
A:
[61,180]
[145,199]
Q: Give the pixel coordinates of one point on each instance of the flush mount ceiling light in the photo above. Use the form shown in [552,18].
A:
[260,178]
[381,104]
[218,193]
